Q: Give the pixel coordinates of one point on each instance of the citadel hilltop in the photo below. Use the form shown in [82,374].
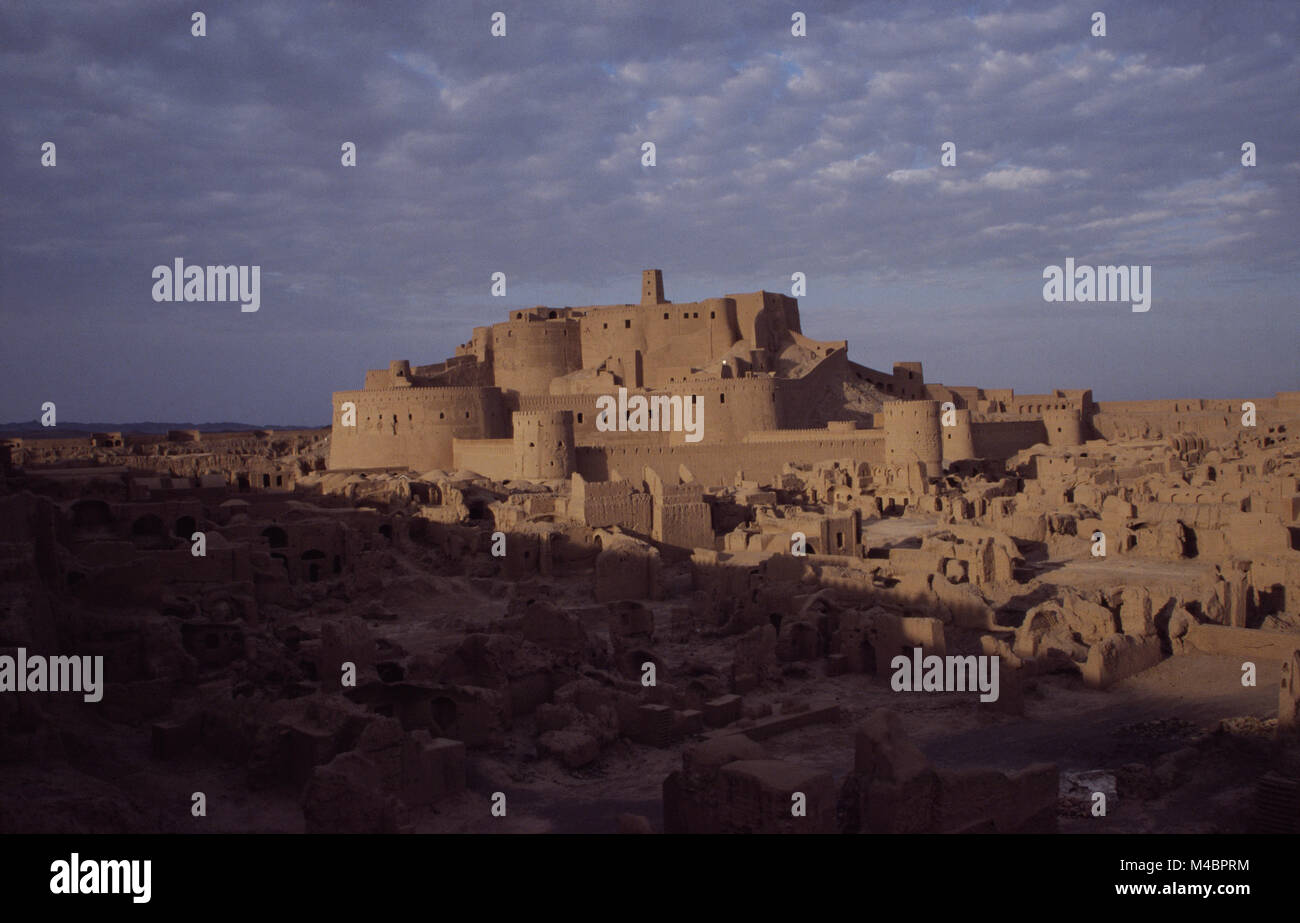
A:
[468,587]
[520,400]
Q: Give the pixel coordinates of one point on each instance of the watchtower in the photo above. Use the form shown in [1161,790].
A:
[652,287]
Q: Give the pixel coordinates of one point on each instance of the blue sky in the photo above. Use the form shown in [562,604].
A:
[522,154]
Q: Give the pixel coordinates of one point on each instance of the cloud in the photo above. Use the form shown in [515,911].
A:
[522,155]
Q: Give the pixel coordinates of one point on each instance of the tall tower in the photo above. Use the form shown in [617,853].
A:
[652,286]
[912,434]
[543,445]
[958,439]
[1064,427]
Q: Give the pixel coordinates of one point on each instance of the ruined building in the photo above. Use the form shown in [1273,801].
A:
[519,400]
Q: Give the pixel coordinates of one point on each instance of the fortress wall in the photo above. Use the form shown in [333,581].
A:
[886,382]
[1004,439]
[994,398]
[608,503]
[492,458]
[825,347]
[965,396]
[616,440]
[457,372]
[763,318]
[686,525]
[687,335]
[1040,403]
[527,354]
[715,464]
[1215,419]
[613,330]
[1161,425]
[691,333]
[1180,405]
[736,406]
[910,380]
[479,346]
[814,435]
[631,511]
[732,408]
[803,402]
[413,426]
[71,442]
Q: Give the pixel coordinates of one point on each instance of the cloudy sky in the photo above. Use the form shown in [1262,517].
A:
[522,154]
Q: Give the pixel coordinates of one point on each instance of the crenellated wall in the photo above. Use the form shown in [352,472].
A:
[761,456]
[413,427]
[1002,439]
[1216,419]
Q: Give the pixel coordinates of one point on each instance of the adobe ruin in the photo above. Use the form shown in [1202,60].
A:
[628,630]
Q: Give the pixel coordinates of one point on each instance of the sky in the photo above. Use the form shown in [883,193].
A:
[522,154]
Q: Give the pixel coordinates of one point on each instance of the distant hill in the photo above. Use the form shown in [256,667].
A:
[33,428]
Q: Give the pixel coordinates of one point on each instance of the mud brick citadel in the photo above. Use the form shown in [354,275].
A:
[519,401]
[468,587]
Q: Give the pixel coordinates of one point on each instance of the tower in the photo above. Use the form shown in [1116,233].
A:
[912,435]
[958,439]
[652,287]
[1064,427]
[543,445]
